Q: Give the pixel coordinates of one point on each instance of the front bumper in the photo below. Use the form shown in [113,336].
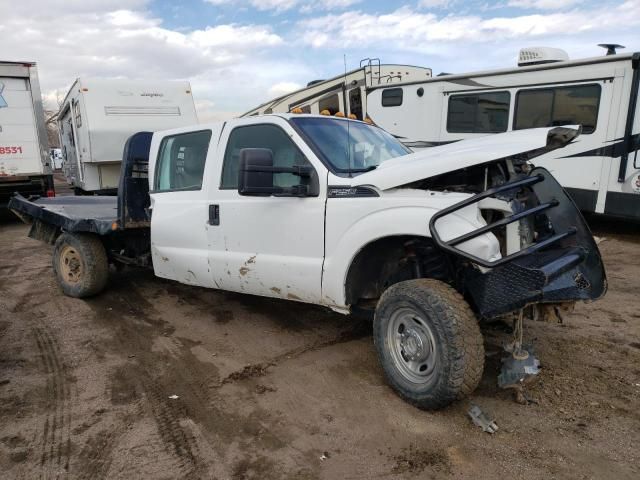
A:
[563,265]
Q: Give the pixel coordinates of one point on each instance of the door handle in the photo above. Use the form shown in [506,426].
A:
[214,214]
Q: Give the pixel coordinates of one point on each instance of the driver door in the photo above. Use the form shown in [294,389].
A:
[267,245]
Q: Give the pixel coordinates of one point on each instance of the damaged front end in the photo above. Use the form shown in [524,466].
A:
[556,261]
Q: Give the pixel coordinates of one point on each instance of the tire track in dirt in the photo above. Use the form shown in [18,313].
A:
[136,327]
[56,437]
[97,455]
[167,415]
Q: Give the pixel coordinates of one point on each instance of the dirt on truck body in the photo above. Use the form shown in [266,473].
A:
[157,380]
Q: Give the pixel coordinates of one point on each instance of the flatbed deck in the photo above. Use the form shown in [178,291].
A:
[72,214]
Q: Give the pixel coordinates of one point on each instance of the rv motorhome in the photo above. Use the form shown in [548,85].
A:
[97,117]
[346,92]
[24,151]
[601,169]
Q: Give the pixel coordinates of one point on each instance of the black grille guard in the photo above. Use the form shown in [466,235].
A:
[564,263]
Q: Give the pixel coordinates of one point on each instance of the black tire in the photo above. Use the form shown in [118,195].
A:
[429,343]
[80,264]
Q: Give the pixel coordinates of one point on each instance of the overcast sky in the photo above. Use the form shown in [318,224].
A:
[239,53]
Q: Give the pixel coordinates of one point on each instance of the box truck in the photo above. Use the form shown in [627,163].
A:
[97,116]
[24,151]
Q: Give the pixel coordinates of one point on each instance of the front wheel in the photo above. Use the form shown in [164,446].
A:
[429,343]
[80,264]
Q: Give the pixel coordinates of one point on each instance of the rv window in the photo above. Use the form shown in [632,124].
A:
[181,161]
[478,113]
[285,153]
[331,103]
[392,97]
[550,107]
[72,138]
[306,109]
[76,114]
[355,103]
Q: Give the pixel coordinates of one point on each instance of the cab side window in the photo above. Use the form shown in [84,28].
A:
[181,161]
[285,153]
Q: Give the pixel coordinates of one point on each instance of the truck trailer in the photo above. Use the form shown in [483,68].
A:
[97,116]
[25,166]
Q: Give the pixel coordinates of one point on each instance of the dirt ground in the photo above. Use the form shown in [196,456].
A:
[156,380]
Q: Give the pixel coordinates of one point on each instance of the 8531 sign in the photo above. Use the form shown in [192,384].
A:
[10,150]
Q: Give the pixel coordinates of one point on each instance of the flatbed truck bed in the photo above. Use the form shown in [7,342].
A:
[72,214]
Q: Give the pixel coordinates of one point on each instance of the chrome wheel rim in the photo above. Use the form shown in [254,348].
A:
[71,266]
[412,345]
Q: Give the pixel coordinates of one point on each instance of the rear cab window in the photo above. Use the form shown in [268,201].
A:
[181,161]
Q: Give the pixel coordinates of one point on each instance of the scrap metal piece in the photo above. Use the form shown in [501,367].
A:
[481,419]
[519,368]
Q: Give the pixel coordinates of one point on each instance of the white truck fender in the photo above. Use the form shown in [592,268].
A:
[343,245]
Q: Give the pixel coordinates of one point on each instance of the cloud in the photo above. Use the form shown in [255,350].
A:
[228,63]
[328,5]
[543,4]
[434,3]
[234,65]
[282,88]
[279,6]
[407,29]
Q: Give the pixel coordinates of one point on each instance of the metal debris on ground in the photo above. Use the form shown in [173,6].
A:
[174,397]
[482,420]
[521,365]
[519,368]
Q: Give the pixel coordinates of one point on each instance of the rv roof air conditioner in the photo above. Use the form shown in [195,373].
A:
[538,55]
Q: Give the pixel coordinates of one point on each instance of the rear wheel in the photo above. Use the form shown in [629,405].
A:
[428,342]
[80,264]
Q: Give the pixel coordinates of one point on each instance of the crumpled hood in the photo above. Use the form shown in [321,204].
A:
[465,153]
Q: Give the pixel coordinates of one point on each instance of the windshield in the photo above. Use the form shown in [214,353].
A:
[349,146]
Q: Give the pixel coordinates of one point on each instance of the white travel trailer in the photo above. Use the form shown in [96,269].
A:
[24,151]
[345,93]
[97,117]
[601,169]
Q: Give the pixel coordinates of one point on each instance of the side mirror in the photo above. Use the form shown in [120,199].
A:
[255,175]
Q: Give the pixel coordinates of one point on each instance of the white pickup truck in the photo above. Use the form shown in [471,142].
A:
[337,212]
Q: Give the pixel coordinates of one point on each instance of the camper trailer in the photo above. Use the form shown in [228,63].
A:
[601,169]
[346,92]
[24,151]
[97,117]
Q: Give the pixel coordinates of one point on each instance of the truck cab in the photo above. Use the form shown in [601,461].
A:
[338,213]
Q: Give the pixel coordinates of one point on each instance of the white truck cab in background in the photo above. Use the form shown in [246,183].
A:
[24,151]
[97,116]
